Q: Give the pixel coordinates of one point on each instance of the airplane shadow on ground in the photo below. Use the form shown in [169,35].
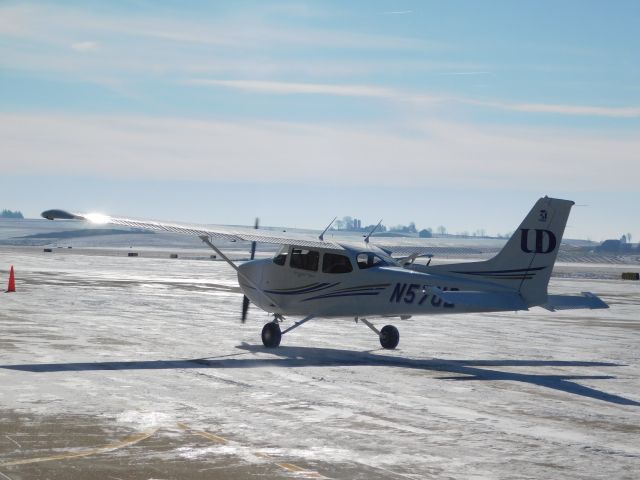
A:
[464,370]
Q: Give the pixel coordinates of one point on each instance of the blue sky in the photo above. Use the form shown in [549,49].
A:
[445,113]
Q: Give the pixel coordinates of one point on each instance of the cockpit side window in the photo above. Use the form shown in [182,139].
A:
[335,263]
[368,260]
[304,259]
[281,256]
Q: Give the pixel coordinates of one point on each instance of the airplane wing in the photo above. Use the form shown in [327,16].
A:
[214,231]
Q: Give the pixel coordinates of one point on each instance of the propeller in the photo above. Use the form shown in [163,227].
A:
[245,299]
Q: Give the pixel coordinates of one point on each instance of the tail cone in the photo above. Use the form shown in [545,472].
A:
[12,281]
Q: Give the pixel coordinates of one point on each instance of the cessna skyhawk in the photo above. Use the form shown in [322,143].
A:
[312,277]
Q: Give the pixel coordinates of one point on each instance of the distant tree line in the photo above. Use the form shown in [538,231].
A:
[352,224]
[10,214]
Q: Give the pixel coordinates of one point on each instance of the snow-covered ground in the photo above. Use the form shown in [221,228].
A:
[139,343]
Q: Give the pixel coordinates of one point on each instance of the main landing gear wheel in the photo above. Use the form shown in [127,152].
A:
[271,335]
[389,337]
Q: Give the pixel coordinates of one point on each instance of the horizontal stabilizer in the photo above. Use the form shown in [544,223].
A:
[498,301]
[571,302]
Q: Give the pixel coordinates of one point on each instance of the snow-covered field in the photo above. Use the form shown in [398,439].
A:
[94,348]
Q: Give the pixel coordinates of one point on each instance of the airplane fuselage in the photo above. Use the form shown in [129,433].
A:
[385,289]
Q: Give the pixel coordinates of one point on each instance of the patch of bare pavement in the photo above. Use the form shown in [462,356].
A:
[78,447]
[137,368]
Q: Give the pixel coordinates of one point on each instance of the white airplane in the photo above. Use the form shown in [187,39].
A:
[312,277]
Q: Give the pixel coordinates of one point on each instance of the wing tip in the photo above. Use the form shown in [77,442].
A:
[57,214]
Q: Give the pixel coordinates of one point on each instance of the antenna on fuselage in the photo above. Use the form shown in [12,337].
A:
[366,239]
[321,237]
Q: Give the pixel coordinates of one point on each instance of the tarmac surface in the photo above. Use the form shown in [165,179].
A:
[138,368]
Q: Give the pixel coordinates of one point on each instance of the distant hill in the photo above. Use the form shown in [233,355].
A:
[9,214]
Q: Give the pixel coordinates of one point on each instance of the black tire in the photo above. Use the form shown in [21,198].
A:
[389,337]
[271,335]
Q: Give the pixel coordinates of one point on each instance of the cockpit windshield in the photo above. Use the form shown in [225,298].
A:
[281,256]
[367,260]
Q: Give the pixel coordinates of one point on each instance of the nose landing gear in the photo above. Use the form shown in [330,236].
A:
[271,335]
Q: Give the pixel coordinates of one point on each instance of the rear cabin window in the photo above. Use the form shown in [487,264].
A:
[304,259]
[368,260]
[334,263]
[281,256]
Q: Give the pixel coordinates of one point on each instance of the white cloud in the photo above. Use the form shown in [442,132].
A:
[583,110]
[435,153]
[84,46]
[13,20]
[260,86]
[168,48]
[37,37]
[298,88]
[46,23]
[559,109]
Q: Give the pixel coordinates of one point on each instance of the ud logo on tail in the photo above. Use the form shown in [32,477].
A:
[540,235]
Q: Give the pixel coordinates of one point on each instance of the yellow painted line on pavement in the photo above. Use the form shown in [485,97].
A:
[138,437]
[291,467]
[210,436]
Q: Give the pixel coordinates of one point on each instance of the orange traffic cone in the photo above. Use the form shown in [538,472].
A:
[12,281]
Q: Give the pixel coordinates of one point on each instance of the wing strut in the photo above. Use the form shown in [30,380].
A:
[206,240]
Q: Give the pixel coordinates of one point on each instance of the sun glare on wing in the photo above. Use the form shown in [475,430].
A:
[97,218]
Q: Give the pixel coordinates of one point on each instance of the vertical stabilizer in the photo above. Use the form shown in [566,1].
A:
[526,261]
